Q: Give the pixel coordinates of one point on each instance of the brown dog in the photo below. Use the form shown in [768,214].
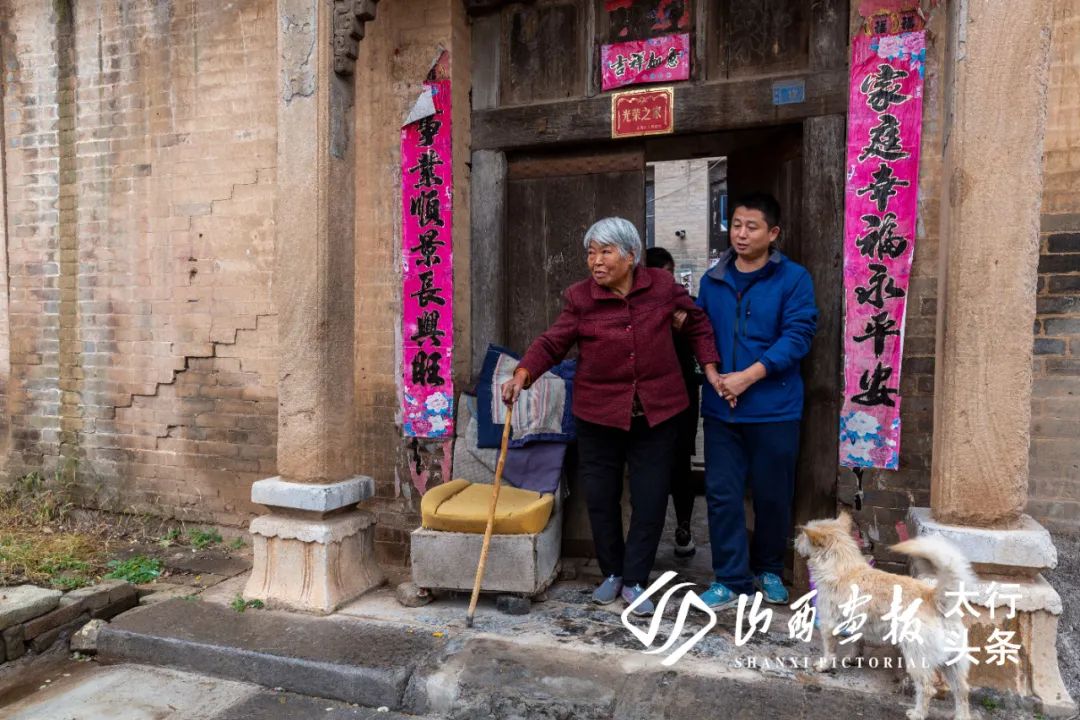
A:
[836,564]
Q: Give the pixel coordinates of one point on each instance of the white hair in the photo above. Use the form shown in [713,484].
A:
[618,232]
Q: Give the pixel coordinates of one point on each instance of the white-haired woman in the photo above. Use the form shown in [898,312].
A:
[628,389]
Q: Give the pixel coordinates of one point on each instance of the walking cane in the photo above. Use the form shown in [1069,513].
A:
[490,518]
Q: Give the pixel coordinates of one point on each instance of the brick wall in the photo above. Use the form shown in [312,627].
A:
[140,150]
[5,346]
[395,57]
[681,192]
[1054,495]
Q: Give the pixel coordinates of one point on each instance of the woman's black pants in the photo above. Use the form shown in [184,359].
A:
[603,452]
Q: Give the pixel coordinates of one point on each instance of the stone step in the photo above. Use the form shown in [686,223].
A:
[472,674]
[363,663]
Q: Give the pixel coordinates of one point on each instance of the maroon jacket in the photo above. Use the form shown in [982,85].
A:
[625,347]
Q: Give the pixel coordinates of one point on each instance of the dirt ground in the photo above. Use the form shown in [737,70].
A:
[1066,580]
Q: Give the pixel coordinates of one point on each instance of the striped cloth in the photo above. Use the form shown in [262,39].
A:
[540,411]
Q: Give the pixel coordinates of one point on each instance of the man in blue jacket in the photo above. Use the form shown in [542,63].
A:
[761,306]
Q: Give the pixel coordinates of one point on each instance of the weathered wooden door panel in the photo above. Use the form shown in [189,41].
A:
[550,205]
[544,52]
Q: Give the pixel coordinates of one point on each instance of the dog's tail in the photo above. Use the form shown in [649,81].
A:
[949,565]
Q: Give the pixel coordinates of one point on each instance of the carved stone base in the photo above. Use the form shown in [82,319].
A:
[1011,556]
[1034,624]
[313,564]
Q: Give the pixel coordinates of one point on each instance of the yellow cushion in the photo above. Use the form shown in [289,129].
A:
[461,506]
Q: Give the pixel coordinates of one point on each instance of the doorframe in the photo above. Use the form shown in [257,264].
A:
[821,219]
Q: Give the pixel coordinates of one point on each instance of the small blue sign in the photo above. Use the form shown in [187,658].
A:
[788,92]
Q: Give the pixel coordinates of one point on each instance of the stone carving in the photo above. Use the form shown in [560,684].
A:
[349,19]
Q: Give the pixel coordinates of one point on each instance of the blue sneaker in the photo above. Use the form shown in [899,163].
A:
[608,590]
[772,587]
[631,593]
[718,597]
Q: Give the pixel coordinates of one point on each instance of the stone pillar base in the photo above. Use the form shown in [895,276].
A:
[311,552]
[1011,557]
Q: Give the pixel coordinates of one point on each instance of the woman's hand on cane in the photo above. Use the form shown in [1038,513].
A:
[513,387]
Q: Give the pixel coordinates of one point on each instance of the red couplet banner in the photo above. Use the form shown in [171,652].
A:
[881,201]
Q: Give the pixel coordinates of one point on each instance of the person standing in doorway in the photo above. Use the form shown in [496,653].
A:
[762,310]
[682,487]
[627,393]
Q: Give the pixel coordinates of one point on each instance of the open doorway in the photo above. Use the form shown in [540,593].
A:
[675,189]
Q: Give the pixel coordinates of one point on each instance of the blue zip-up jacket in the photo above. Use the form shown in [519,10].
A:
[773,321]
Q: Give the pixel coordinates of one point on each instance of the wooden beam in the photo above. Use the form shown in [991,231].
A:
[484,6]
[705,107]
[829,34]
[487,280]
[822,253]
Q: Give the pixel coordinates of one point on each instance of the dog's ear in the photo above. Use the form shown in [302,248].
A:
[845,520]
[815,536]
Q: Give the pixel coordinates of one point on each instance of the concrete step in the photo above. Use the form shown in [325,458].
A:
[134,692]
[361,663]
[472,674]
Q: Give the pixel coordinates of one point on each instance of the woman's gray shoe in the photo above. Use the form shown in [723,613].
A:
[608,590]
[631,594]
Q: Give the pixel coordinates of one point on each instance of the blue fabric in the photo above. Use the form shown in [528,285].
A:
[763,454]
[537,466]
[774,323]
[743,280]
[489,434]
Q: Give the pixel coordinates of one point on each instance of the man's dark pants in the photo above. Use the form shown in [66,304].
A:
[603,452]
[765,455]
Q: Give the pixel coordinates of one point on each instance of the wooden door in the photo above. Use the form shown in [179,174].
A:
[550,202]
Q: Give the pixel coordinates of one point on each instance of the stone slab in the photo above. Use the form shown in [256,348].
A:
[25,602]
[209,564]
[1028,545]
[117,605]
[45,640]
[169,592]
[516,563]
[354,662]
[96,597]
[275,492]
[85,639]
[132,693]
[14,642]
[270,705]
[60,616]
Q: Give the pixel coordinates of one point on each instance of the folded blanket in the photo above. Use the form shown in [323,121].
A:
[541,413]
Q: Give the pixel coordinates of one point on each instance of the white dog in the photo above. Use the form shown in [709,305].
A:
[836,564]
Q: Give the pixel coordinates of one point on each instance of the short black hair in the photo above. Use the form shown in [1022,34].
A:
[762,201]
[658,257]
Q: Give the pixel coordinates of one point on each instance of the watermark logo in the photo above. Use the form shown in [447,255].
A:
[690,600]
[903,623]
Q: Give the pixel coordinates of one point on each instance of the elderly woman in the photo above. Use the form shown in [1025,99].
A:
[628,390]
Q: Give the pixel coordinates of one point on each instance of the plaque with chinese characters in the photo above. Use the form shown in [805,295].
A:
[881,201]
[660,59]
[643,112]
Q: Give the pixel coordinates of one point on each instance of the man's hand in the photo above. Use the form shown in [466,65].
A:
[735,384]
[678,319]
[513,387]
[716,380]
